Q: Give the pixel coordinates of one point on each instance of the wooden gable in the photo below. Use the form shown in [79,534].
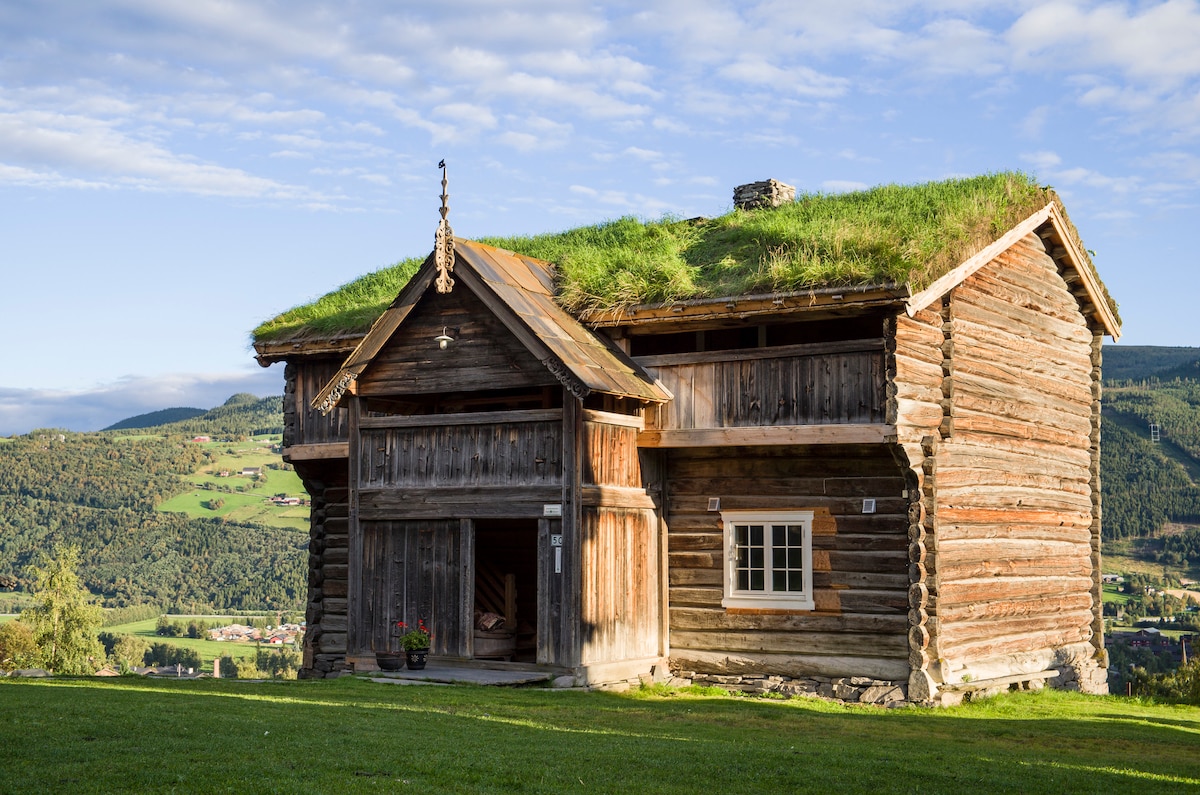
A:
[518,293]
[484,354]
[1052,225]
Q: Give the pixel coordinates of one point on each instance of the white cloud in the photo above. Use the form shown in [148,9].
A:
[842,185]
[23,410]
[1154,43]
[800,80]
[84,145]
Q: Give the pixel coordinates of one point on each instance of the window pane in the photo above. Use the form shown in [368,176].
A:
[743,580]
[778,535]
[779,580]
[756,535]
[795,580]
[757,581]
[756,557]
[795,534]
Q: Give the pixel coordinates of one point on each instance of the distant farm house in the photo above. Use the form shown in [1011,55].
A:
[201,439]
[251,471]
[844,444]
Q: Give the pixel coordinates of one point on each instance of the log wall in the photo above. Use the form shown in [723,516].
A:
[860,571]
[840,382]
[328,556]
[1012,570]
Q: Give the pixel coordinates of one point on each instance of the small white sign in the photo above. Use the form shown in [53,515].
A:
[556,540]
[552,510]
[558,560]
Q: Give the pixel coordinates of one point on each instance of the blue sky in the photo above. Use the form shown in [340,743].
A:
[173,172]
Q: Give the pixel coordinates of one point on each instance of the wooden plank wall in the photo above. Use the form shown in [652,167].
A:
[303,424]
[610,455]
[412,571]
[620,618]
[483,355]
[790,385]
[860,576]
[502,453]
[1013,562]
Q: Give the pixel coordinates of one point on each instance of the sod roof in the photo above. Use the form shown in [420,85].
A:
[888,235]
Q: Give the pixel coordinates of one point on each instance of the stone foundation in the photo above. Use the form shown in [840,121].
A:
[848,689]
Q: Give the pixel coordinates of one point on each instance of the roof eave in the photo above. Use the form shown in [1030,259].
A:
[746,306]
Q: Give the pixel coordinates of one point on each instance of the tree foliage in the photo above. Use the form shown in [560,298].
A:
[64,621]
[98,492]
[18,649]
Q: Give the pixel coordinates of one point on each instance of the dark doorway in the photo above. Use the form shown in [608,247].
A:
[506,598]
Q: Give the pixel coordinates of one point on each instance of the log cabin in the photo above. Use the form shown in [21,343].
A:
[882,478]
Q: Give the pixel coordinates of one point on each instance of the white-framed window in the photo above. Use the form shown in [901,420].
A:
[768,559]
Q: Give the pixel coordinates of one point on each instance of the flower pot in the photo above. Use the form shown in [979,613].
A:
[389,660]
[415,658]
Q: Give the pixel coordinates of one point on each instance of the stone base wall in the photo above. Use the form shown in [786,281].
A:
[848,689]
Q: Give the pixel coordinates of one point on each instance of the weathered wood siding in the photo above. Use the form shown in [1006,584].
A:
[841,382]
[860,572]
[304,425]
[522,448]
[483,355]
[1011,567]
[620,605]
[413,571]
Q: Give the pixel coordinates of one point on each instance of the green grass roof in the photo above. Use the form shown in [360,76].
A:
[892,234]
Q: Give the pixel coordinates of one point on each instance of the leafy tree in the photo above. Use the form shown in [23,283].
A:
[65,623]
[18,649]
[129,651]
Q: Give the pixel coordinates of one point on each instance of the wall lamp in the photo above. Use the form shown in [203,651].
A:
[444,339]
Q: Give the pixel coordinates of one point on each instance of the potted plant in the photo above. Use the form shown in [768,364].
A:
[416,644]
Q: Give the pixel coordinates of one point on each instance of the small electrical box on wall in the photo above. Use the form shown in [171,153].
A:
[869,505]
[714,503]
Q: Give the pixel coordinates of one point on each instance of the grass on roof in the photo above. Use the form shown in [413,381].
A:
[892,234]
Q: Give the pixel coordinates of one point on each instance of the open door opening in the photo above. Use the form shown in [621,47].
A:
[506,598]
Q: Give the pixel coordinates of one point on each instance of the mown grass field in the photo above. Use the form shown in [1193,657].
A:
[348,735]
[249,504]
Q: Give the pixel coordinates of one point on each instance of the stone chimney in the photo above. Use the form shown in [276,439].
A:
[770,193]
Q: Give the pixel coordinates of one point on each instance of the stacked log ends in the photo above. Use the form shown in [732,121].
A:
[769,193]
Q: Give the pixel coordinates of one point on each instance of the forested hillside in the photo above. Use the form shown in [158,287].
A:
[99,491]
[161,417]
[1149,483]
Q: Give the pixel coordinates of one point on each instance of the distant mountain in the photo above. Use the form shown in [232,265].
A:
[1133,362]
[160,417]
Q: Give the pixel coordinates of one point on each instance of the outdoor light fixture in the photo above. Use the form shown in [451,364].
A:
[443,339]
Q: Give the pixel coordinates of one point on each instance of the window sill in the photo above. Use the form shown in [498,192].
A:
[766,605]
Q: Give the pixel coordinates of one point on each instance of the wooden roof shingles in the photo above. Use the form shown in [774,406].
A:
[519,290]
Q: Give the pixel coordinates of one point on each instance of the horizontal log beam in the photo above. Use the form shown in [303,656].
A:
[770,435]
[315,452]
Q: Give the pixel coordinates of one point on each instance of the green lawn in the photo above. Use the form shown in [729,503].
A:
[249,504]
[208,649]
[1109,593]
[348,735]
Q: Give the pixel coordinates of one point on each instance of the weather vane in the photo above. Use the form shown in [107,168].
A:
[443,242]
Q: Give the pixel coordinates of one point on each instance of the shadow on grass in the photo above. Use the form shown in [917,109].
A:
[351,736]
